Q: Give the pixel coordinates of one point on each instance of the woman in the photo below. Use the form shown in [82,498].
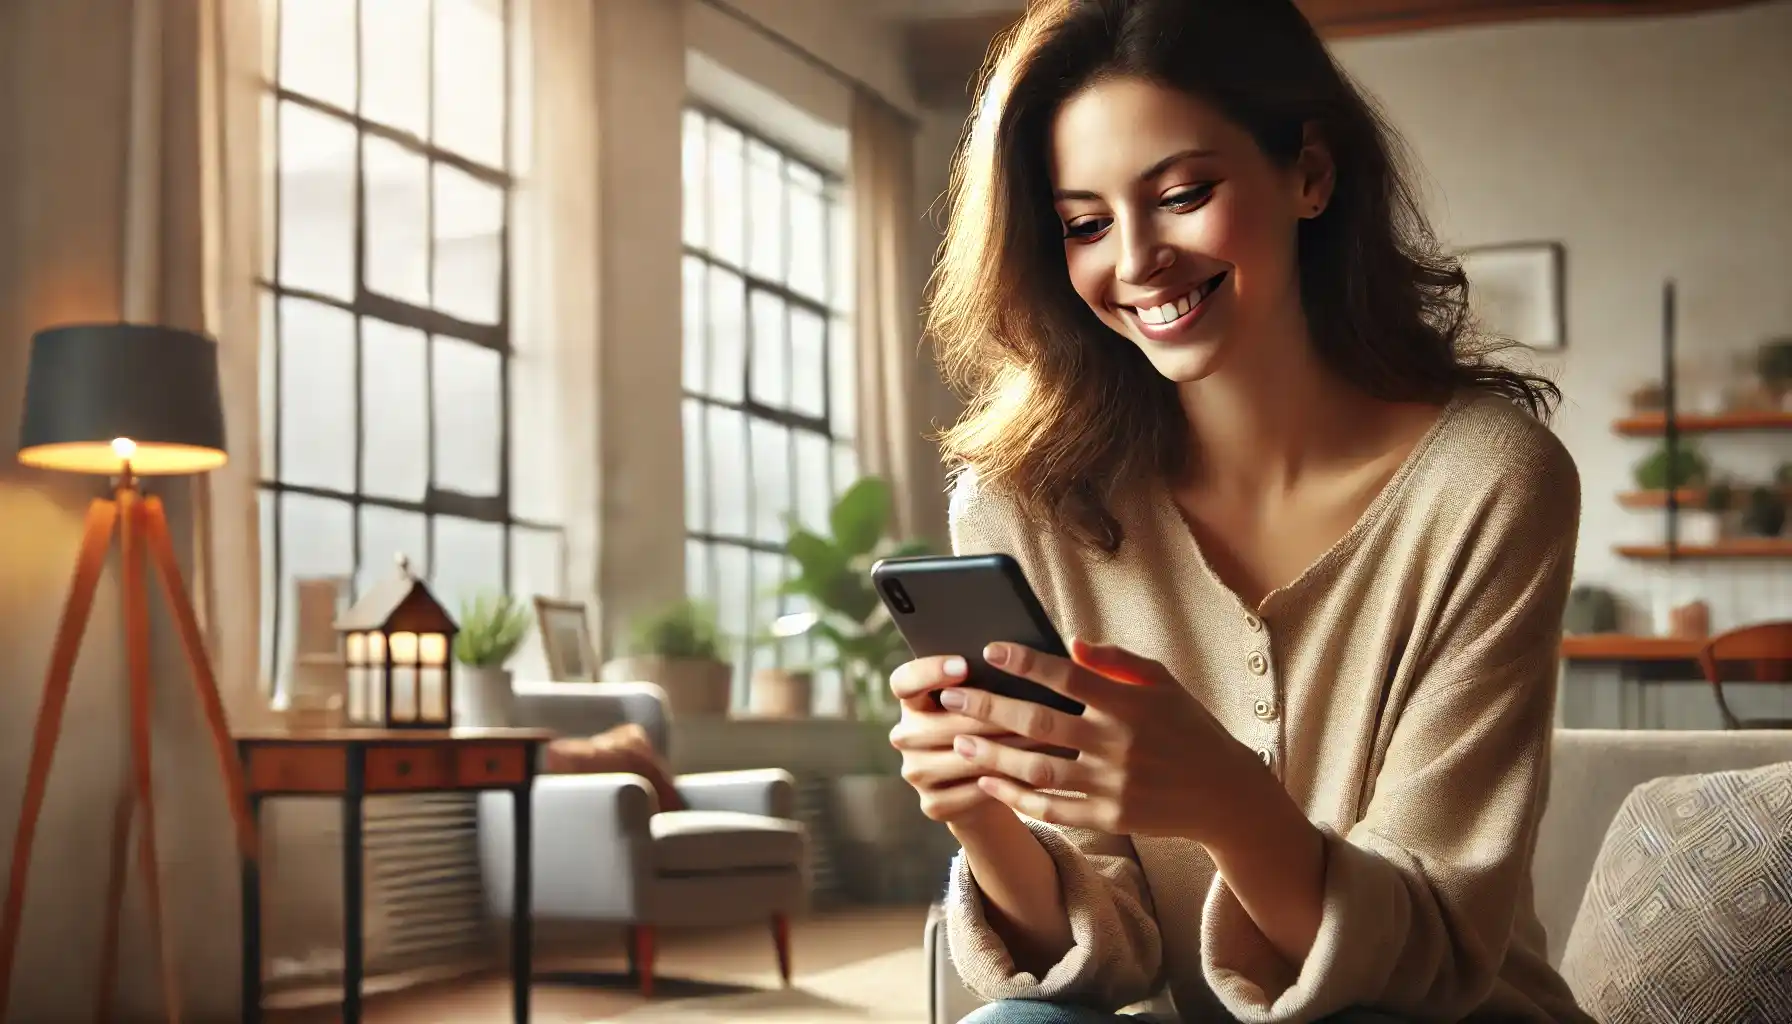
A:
[1229,413]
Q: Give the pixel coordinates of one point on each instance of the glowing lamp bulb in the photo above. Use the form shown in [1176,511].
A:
[124,448]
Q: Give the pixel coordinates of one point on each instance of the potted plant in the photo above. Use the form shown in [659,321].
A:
[1774,363]
[492,627]
[1704,524]
[1765,513]
[893,852]
[681,650]
[1672,468]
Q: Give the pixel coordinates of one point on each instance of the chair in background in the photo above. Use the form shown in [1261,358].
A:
[1761,653]
[604,853]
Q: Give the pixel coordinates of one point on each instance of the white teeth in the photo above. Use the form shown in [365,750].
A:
[1183,305]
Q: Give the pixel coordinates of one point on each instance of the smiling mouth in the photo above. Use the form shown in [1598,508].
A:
[1168,313]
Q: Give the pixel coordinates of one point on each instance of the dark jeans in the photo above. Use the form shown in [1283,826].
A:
[1023,1011]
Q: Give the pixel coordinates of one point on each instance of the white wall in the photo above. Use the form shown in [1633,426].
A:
[1651,148]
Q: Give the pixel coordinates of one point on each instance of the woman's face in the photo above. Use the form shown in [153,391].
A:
[1179,231]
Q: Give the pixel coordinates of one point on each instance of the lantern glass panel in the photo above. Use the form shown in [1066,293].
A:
[356,648]
[432,649]
[432,682]
[376,648]
[404,690]
[404,648]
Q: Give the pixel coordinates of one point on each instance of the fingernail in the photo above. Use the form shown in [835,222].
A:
[966,746]
[955,667]
[952,700]
[996,654]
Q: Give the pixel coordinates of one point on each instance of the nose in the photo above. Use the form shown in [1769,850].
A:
[1142,253]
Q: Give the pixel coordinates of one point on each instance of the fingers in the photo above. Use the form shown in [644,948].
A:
[945,782]
[1068,811]
[1036,722]
[1036,770]
[918,678]
[1118,664]
[926,729]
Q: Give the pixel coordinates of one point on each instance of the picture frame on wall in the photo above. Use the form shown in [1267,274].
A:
[1517,290]
[566,640]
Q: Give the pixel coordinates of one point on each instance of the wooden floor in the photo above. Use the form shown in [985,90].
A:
[860,964]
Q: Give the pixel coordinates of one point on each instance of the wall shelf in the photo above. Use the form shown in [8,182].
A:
[1686,497]
[1655,424]
[1740,547]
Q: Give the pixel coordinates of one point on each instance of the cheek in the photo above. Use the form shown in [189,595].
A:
[1239,232]
[1091,273]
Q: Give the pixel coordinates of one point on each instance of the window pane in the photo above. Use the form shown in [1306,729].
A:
[734,601]
[727,335]
[469,559]
[846,467]
[395,64]
[803,176]
[768,572]
[765,212]
[728,472]
[695,309]
[465,387]
[840,290]
[469,79]
[808,363]
[268,502]
[316,539]
[728,193]
[394,404]
[387,533]
[317,395]
[696,181]
[397,184]
[771,478]
[771,361]
[814,496]
[317,49]
[843,380]
[696,469]
[469,216]
[269,371]
[317,202]
[696,570]
[808,244]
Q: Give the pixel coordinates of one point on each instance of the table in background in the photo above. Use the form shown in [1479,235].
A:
[353,764]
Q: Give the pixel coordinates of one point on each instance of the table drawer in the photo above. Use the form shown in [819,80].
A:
[405,767]
[489,765]
[297,769]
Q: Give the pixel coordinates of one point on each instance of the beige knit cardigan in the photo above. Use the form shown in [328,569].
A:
[1403,691]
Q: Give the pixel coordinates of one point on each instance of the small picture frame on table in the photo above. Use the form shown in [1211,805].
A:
[1516,291]
[566,639]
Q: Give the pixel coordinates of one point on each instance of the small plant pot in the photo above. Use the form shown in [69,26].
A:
[1701,527]
[695,687]
[781,693]
[483,698]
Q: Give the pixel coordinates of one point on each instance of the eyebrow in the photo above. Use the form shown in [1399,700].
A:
[1150,172]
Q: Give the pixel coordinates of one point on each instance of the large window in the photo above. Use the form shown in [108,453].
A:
[387,360]
[769,377]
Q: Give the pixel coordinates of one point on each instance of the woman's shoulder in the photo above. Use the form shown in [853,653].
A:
[982,518]
[1492,454]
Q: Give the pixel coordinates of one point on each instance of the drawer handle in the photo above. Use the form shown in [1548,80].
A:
[404,768]
[491,765]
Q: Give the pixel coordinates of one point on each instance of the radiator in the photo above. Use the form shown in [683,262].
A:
[424,900]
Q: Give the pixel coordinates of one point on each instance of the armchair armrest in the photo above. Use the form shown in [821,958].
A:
[591,848]
[767,791]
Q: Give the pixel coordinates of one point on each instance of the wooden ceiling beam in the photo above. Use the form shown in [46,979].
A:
[945,53]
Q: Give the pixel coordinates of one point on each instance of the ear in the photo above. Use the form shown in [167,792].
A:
[1315,174]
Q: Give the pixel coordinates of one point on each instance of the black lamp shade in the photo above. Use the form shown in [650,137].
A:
[101,397]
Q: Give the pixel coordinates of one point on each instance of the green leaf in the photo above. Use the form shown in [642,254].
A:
[816,559]
[860,516]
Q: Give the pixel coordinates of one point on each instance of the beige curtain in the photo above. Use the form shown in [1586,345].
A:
[892,410]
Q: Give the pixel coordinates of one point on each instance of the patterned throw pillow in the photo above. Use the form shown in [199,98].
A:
[1689,913]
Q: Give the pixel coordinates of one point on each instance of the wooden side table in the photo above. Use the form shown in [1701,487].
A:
[353,764]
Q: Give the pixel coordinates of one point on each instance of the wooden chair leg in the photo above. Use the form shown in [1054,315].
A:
[781,936]
[642,958]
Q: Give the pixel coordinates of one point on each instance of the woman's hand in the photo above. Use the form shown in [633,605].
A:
[946,782]
[1149,758]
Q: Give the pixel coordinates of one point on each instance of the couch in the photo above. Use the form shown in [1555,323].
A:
[603,852]
[1592,771]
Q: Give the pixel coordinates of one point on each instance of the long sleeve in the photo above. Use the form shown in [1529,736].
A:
[1421,894]
[1117,956]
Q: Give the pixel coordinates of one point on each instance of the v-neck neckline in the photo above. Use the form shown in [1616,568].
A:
[1166,501]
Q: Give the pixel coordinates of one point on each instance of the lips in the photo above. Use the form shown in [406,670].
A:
[1170,311]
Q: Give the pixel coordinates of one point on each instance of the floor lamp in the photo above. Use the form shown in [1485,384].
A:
[124,401]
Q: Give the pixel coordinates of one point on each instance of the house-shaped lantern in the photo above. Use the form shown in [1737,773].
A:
[396,643]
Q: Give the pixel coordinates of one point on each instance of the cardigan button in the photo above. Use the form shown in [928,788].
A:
[1264,755]
[1253,623]
[1257,663]
[1264,709]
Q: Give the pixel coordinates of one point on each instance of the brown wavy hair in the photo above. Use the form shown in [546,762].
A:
[1061,411]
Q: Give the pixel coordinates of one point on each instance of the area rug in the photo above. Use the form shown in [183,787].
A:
[889,989]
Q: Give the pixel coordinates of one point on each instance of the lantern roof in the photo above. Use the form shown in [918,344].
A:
[399,603]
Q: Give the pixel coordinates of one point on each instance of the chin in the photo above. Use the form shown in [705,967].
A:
[1184,365]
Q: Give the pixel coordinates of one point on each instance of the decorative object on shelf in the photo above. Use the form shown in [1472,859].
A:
[1690,621]
[1516,291]
[1648,398]
[681,650]
[781,693]
[1774,364]
[566,639]
[124,401]
[1783,476]
[492,627]
[1672,467]
[1590,609]
[1764,515]
[396,640]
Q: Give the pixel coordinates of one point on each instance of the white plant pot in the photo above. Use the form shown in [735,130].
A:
[695,687]
[483,698]
[1700,527]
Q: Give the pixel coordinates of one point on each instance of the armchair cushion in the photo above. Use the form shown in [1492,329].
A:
[623,749]
[709,842]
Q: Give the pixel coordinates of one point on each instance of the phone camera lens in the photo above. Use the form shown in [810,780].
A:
[899,598]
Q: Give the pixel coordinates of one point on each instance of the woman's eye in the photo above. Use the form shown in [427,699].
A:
[1086,228]
[1188,198]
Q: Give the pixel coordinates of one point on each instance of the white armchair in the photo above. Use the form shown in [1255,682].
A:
[603,852]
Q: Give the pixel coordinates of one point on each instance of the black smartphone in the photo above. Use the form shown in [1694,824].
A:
[955,604]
